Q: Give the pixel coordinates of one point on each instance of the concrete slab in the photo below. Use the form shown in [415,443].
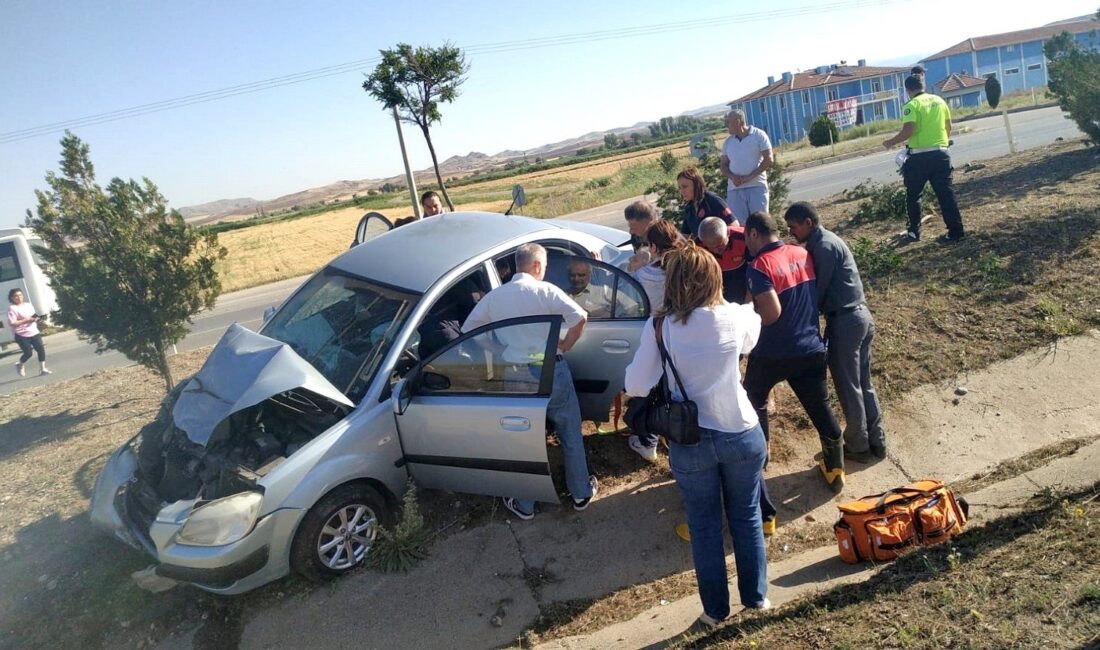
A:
[1010,409]
[449,600]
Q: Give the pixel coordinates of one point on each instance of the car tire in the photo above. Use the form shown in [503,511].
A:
[337,533]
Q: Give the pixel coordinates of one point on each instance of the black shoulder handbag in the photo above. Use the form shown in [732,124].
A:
[658,413]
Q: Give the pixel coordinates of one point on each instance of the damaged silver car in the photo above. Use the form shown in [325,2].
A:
[291,446]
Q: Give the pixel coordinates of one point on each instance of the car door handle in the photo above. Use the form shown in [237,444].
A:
[616,346]
[515,423]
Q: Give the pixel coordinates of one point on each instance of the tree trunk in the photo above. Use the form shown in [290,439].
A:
[435,164]
[165,370]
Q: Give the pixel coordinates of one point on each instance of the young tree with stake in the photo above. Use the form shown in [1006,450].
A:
[415,81]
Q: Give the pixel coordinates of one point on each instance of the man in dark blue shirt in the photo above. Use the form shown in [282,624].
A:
[849,329]
[784,291]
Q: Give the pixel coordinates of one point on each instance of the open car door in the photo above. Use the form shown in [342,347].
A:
[370,226]
[472,417]
[617,309]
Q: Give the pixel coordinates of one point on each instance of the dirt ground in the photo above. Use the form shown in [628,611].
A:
[1023,278]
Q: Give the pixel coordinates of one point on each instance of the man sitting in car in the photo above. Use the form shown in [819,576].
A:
[528,295]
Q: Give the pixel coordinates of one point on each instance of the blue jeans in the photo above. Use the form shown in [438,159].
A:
[724,472]
[564,411]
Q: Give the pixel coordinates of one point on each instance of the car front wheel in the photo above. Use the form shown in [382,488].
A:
[337,533]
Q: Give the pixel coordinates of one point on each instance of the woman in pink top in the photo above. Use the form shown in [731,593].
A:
[24,324]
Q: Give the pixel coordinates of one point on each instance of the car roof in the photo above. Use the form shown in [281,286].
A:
[415,255]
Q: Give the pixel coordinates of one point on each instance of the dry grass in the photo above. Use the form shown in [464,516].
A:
[1023,277]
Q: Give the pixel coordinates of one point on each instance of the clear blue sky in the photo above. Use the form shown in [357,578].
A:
[65,60]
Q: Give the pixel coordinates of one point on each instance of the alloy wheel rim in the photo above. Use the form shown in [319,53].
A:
[347,536]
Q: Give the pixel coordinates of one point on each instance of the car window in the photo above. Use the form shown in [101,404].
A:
[506,359]
[443,322]
[506,263]
[9,262]
[602,290]
[342,326]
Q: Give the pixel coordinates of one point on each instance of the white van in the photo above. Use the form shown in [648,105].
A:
[19,269]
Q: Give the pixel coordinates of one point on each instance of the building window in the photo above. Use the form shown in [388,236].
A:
[1035,66]
[876,85]
[1010,48]
[833,94]
[880,112]
[782,102]
[989,75]
[954,102]
[805,98]
[1009,71]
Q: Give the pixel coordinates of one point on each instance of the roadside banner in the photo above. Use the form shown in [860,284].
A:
[842,111]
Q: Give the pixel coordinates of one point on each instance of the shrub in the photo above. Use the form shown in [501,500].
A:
[407,544]
[597,183]
[823,132]
[884,201]
[1073,71]
[875,260]
[667,161]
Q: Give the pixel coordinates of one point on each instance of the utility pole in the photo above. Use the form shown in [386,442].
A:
[408,171]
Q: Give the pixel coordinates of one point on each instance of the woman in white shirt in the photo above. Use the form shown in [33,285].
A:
[661,237]
[705,337]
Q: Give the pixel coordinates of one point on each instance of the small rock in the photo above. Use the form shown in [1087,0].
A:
[786,547]
[810,518]
[43,577]
[961,390]
[125,624]
[955,401]
[496,621]
[663,602]
[51,585]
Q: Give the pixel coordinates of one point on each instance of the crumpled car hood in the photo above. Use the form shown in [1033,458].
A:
[244,369]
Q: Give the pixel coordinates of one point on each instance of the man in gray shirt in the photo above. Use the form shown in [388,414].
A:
[849,330]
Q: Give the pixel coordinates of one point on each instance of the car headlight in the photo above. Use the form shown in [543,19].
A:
[222,521]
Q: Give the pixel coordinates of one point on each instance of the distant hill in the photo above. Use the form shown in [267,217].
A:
[228,209]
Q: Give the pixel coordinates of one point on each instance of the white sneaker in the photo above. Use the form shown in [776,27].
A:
[47,371]
[767,604]
[909,235]
[20,370]
[648,453]
[581,504]
[510,503]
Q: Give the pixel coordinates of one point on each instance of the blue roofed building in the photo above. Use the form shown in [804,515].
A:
[850,94]
[1015,57]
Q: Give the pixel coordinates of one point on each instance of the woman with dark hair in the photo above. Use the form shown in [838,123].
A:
[699,203]
[721,476]
[24,324]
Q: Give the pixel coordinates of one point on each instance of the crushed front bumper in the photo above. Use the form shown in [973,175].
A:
[258,558]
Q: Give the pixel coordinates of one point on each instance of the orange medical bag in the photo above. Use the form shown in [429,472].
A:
[882,526]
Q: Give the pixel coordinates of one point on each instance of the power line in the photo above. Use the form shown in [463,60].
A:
[478,49]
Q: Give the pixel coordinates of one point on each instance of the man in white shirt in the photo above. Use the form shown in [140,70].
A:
[746,159]
[526,294]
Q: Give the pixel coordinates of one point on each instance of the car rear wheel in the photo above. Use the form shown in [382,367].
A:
[337,533]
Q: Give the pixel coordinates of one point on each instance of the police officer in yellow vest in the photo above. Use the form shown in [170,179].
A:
[926,129]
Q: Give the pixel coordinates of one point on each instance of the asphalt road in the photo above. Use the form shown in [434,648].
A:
[69,357]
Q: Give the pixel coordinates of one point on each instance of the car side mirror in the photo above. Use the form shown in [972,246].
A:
[434,381]
[402,395]
[268,314]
